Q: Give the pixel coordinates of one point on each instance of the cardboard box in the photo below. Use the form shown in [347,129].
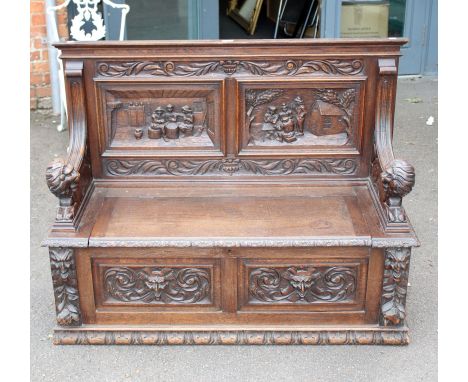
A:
[364,19]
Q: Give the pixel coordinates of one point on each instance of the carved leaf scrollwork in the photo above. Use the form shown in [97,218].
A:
[344,67]
[150,167]
[302,284]
[158,285]
[396,269]
[67,303]
[260,68]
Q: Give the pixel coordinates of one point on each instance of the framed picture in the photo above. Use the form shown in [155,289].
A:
[245,13]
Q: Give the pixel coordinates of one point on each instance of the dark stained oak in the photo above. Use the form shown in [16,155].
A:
[231,192]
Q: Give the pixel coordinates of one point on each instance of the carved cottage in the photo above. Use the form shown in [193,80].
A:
[208,196]
[327,119]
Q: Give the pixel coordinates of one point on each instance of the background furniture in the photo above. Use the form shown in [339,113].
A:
[87,25]
[231,192]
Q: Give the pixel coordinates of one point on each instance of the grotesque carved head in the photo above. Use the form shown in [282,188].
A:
[61,261]
[157,280]
[397,261]
[301,279]
[398,179]
[62,179]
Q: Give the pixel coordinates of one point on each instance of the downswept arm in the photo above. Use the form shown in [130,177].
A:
[394,178]
[68,178]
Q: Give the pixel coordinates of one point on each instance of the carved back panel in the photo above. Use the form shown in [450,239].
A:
[237,109]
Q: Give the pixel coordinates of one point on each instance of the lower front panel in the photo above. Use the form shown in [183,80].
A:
[267,286]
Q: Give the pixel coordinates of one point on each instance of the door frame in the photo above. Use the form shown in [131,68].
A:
[420,54]
[207,16]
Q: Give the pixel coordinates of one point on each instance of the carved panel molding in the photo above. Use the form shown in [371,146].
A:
[396,269]
[234,337]
[302,284]
[67,302]
[158,285]
[229,67]
[232,166]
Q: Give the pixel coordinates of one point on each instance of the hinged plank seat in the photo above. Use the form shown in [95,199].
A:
[238,192]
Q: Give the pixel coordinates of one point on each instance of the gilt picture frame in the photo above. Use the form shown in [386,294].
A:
[245,13]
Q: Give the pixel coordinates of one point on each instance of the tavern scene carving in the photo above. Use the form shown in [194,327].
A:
[300,116]
[302,284]
[185,121]
[158,285]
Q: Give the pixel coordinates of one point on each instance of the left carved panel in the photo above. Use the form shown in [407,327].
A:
[151,283]
[160,118]
[67,301]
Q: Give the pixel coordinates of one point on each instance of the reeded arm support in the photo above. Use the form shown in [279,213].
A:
[394,177]
[64,176]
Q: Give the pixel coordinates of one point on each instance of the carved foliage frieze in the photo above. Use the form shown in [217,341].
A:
[232,166]
[302,284]
[67,302]
[158,285]
[395,285]
[229,67]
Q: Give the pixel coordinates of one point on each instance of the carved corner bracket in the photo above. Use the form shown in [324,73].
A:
[63,175]
[395,284]
[67,301]
[394,178]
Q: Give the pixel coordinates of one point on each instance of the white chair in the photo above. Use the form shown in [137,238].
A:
[87,13]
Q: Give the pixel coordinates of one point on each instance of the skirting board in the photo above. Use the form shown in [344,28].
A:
[88,335]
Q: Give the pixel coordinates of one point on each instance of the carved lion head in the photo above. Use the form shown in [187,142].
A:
[398,179]
[61,178]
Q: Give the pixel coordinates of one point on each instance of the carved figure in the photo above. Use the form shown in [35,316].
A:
[286,124]
[186,126]
[156,129]
[300,115]
[269,126]
[171,127]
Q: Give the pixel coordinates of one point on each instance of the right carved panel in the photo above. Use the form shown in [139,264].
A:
[272,285]
[306,117]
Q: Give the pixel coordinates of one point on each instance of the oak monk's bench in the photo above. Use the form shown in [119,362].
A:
[231,192]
